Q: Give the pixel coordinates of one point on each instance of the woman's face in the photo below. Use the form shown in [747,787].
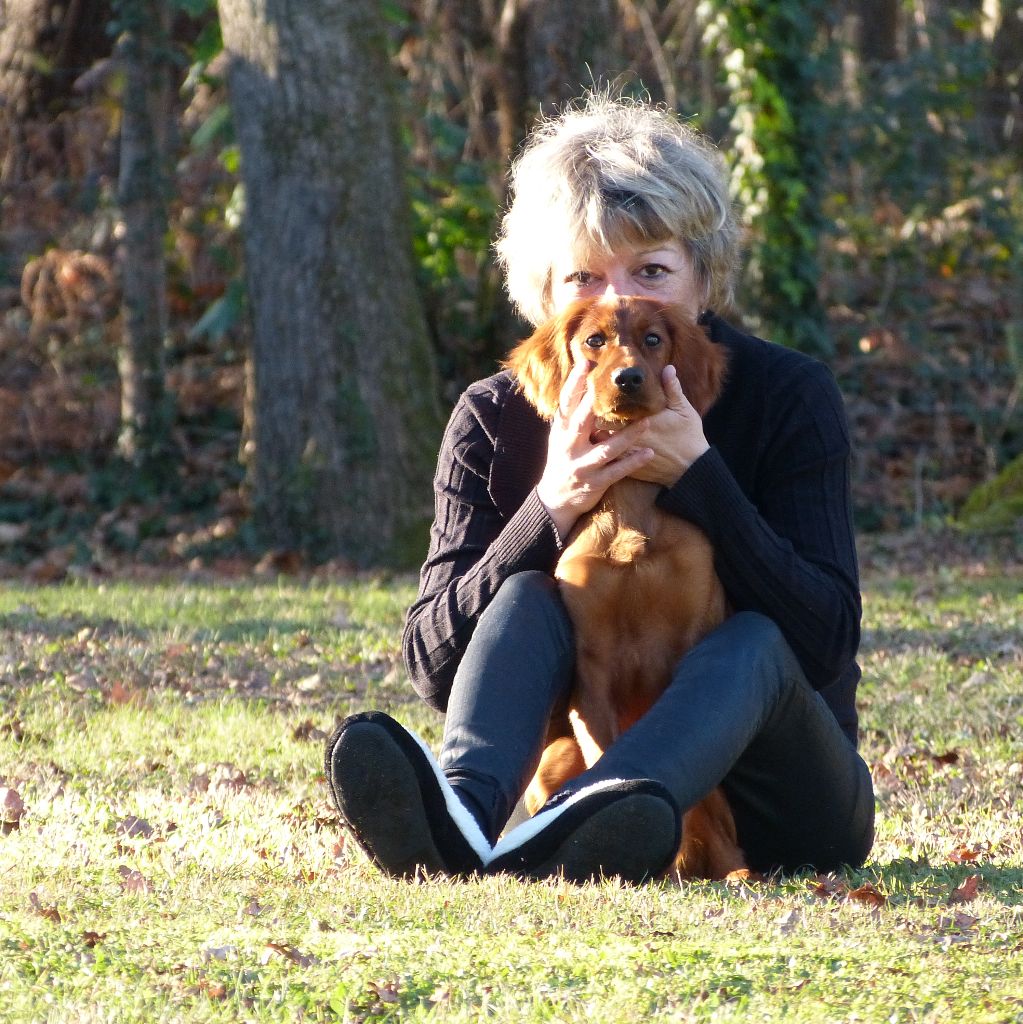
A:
[659,270]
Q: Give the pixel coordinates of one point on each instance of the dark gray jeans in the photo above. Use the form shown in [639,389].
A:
[738,713]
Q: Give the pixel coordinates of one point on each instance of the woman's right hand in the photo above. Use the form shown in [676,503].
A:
[580,469]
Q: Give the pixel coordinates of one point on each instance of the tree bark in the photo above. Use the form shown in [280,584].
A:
[345,420]
[44,47]
[548,52]
[1004,27]
[878,31]
[142,195]
[22,23]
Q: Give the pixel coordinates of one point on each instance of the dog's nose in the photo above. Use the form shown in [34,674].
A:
[628,379]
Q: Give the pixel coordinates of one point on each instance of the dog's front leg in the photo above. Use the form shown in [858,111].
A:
[561,762]
[593,716]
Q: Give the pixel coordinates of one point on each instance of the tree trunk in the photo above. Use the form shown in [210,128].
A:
[491,65]
[142,196]
[44,46]
[345,422]
[878,31]
[548,53]
[22,24]
[1004,27]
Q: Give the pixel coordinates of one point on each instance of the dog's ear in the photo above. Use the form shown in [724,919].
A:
[701,365]
[541,364]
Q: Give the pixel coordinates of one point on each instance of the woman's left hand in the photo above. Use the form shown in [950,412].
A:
[675,434]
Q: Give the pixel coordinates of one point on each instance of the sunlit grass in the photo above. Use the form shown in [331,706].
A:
[177,859]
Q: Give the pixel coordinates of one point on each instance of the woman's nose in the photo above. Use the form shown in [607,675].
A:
[616,283]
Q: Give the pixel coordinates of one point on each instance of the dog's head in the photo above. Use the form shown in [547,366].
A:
[626,342]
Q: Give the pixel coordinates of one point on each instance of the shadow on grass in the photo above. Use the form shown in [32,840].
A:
[969,642]
[918,881]
[262,658]
[30,623]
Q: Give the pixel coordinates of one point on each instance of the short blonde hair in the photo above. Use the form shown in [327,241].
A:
[610,171]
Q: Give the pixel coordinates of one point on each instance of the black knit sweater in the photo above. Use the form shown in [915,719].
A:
[772,493]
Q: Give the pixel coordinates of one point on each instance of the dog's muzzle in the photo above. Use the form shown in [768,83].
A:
[629,379]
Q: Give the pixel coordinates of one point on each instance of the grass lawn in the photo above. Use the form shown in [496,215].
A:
[174,857]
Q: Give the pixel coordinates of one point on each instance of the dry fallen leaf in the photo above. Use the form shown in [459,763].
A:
[212,989]
[49,568]
[826,887]
[968,854]
[385,991]
[134,828]
[134,881]
[289,953]
[441,994]
[308,684]
[307,731]
[199,783]
[868,895]
[958,922]
[227,776]
[11,809]
[122,694]
[50,913]
[965,854]
[219,953]
[789,922]
[93,938]
[967,892]
[15,728]
[283,561]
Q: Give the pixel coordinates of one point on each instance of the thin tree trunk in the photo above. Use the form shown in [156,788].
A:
[548,52]
[21,25]
[1003,26]
[345,422]
[142,189]
[878,31]
[44,46]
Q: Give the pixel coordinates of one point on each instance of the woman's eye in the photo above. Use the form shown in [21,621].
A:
[652,340]
[582,277]
[595,340]
[652,270]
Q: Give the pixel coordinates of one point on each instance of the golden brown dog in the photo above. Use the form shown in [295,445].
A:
[639,584]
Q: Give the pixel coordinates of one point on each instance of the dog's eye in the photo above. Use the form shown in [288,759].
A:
[652,340]
[595,340]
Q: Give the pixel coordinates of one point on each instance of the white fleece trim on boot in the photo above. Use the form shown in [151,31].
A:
[458,812]
[521,835]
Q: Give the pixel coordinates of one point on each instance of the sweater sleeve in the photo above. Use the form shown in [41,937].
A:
[473,550]
[789,552]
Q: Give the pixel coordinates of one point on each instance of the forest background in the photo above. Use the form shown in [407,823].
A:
[245,262]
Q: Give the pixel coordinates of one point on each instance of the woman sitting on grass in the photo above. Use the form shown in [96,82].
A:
[621,199]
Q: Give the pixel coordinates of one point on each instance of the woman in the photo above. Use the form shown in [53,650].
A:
[615,199]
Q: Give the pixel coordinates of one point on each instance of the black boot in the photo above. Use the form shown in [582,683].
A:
[394,799]
[630,829]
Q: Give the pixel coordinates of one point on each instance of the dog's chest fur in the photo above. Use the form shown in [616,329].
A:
[619,537]
[621,530]
[640,589]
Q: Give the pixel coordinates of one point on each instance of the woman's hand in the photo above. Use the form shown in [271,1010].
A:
[578,469]
[675,434]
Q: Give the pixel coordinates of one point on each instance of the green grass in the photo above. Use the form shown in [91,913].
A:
[201,710]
